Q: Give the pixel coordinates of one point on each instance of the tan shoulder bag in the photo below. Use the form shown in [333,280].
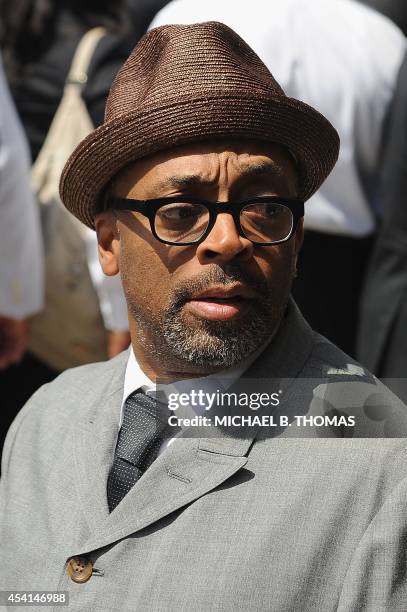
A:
[70,330]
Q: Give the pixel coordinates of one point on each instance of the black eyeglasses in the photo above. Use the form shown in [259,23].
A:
[184,220]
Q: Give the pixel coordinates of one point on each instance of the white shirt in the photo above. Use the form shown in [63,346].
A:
[340,57]
[21,250]
[109,289]
[135,378]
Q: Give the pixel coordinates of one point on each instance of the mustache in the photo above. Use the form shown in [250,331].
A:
[216,275]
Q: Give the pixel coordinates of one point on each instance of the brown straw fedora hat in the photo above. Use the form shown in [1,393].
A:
[186,83]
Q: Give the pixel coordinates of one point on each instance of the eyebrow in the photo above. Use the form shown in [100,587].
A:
[183,181]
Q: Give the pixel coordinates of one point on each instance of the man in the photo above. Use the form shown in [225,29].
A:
[383,308]
[195,184]
[382,338]
[21,254]
[343,59]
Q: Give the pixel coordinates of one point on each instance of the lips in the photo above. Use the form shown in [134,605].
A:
[225,293]
[221,303]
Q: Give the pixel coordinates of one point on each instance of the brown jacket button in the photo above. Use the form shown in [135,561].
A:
[79,569]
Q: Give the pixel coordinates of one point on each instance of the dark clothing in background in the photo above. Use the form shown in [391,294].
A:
[40,91]
[142,12]
[38,95]
[382,341]
[341,262]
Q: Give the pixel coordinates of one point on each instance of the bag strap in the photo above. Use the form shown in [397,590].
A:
[74,84]
[78,72]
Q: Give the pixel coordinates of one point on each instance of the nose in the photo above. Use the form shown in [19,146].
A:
[224,243]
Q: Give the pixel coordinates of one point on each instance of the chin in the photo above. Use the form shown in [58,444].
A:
[212,344]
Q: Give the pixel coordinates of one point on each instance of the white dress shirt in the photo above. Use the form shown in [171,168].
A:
[21,250]
[341,58]
[109,289]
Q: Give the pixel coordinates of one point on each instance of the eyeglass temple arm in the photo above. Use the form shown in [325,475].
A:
[123,204]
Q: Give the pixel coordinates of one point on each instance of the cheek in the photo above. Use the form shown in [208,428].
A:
[145,276]
[277,264]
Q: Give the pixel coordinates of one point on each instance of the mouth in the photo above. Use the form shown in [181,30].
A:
[221,303]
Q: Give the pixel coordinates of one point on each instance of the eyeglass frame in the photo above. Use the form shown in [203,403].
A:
[148,208]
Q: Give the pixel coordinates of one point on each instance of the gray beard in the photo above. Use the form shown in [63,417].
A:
[219,344]
[210,344]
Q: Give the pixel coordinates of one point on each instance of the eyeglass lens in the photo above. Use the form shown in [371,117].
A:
[187,222]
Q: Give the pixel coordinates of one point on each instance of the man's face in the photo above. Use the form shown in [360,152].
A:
[204,307]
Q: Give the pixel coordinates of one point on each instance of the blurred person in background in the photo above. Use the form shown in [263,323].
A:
[39,39]
[21,255]
[382,339]
[141,12]
[342,58]
[396,10]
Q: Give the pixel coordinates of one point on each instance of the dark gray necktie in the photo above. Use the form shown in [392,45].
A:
[143,430]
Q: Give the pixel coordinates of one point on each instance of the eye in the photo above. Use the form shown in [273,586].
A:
[179,212]
[266,222]
[264,210]
[181,221]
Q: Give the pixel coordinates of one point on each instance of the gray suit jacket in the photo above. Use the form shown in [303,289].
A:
[294,521]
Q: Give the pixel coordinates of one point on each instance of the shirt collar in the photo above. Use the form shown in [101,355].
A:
[135,378]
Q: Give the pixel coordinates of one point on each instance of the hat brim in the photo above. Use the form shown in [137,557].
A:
[117,143]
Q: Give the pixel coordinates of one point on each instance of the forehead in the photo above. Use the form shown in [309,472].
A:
[206,162]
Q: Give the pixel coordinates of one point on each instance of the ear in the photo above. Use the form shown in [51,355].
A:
[109,242]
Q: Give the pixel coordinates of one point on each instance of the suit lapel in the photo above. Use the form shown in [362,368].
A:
[184,472]
[189,467]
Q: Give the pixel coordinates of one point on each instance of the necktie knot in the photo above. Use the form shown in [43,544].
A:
[142,431]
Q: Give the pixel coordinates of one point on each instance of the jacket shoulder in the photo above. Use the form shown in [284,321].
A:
[88,379]
[50,412]
[80,384]
[340,385]
[327,357]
